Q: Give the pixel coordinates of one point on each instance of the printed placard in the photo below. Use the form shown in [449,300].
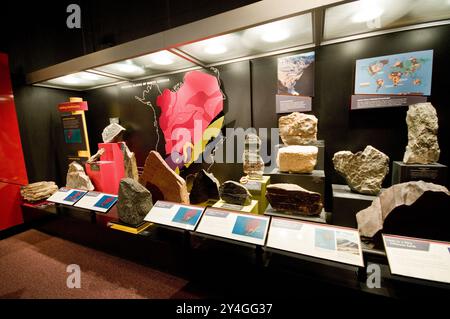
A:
[98,202]
[175,215]
[418,258]
[233,225]
[321,241]
[67,196]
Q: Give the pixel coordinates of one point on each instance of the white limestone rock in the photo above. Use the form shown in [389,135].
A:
[77,178]
[112,133]
[298,129]
[297,159]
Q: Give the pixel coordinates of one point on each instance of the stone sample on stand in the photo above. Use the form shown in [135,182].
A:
[205,186]
[295,199]
[129,162]
[423,147]
[38,191]
[77,178]
[96,156]
[298,129]
[297,159]
[113,133]
[234,193]
[364,171]
[134,202]
[162,181]
[253,164]
[406,203]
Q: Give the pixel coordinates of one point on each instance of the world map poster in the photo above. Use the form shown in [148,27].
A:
[405,73]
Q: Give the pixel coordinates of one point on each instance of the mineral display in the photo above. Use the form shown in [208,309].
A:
[205,186]
[38,191]
[77,178]
[134,202]
[112,133]
[234,193]
[297,159]
[298,129]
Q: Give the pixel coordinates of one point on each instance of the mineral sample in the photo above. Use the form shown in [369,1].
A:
[423,147]
[112,133]
[234,193]
[77,178]
[407,203]
[162,181]
[38,191]
[298,129]
[295,199]
[297,159]
[363,171]
[253,163]
[205,186]
[134,202]
[96,156]
[129,162]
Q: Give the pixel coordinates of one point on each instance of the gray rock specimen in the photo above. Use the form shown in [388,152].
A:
[364,171]
[298,129]
[96,156]
[297,158]
[134,202]
[129,161]
[38,191]
[295,199]
[77,178]
[234,193]
[423,147]
[112,133]
[205,186]
[372,219]
[253,164]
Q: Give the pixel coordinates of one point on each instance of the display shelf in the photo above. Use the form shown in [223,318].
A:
[322,218]
[433,173]
[346,204]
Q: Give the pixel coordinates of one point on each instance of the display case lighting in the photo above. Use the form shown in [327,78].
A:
[162,58]
[368,11]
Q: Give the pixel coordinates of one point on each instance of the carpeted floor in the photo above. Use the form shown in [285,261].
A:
[33,265]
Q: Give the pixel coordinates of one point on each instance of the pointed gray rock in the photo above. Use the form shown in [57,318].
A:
[134,202]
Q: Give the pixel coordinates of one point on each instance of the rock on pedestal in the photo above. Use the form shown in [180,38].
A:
[423,147]
[162,181]
[398,202]
[77,178]
[298,128]
[234,193]
[38,191]
[134,202]
[112,133]
[364,171]
[293,198]
[204,187]
[297,159]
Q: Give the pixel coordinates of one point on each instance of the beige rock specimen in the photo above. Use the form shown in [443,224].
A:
[38,191]
[162,181]
[370,220]
[423,147]
[297,159]
[112,133]
[77,178]
[364,171]
[96,156]
[129,161]
[298,129]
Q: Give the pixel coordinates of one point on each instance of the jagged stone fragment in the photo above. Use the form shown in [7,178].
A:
[129,162]
[134,202]
[112,133]
[423,147]
[298,128]
[38,191]
[297,159]
[364,171]
[77,178]
[234,193]
[205,186]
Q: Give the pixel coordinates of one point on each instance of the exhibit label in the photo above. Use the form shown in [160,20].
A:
[98,202]
[67,196]
[233,225]
[293,103]
[381,101]
[174,215]
[321,241]
[418,258]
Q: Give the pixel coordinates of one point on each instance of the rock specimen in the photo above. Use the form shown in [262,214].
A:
[253,163]
[234,193]
[38,191]
[112,133]
[298,129]
[401,204]
[96,156]
[204,187]
[423,147]
[77,178]
[297,159]
[295,199]
[162,181]
[134,202]
[129,162]
[363,171]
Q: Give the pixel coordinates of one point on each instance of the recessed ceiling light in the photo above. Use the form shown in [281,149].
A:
[89,76]
[215,48]
[70,79]
[162,58]
[367,11]
[273,32]
[129,67]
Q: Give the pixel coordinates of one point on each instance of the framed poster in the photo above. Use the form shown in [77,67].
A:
[296,74]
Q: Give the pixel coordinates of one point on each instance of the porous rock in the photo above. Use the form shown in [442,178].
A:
[298,128]
[297,159]
[134,202]
[112,133]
